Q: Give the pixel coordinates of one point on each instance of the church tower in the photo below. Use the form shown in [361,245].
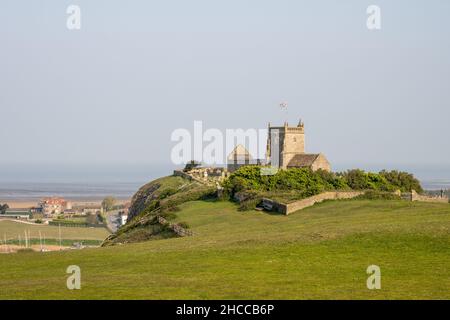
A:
[284,143]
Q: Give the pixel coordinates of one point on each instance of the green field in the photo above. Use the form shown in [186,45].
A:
[12,230]
[319,253]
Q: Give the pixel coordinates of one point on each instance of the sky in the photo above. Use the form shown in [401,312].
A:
[111,93]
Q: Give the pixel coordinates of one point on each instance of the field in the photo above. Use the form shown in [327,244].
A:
[319,253]
[12,230]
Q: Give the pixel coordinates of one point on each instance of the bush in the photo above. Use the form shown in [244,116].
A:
[191,165]
[306,182]
[167,193]
[403,181]
[302,179]
[168,215]
[360,180]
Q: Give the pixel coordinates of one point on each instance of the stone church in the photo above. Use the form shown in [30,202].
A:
[285,149]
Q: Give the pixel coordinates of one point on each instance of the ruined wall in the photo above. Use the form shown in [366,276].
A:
[203,175]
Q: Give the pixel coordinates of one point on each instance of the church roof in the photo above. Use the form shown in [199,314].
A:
[303,160]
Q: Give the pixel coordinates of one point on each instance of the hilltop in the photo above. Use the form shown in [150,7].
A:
[162,197]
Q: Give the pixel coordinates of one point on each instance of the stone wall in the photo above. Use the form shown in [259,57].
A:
[308,202]
[179,173]
[414,196]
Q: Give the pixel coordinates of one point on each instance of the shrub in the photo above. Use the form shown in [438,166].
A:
[167,193]
[191,165]
[360,180]
[402,181]
[302,179]
[356,179]
[306,182]
[168,215]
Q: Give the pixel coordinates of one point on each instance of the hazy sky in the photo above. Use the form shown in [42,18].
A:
[112,92]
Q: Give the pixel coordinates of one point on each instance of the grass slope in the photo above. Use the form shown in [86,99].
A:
[321,252]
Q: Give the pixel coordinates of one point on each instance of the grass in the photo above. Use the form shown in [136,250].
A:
[11,230]
[318,253]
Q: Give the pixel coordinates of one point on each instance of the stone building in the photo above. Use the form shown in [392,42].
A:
[286,149]
[52,206]
[313,161]
[239,157]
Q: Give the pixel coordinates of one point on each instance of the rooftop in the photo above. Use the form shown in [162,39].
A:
[303,160]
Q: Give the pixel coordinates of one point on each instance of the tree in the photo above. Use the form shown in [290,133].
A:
[403,181]
[108,203]
[191,165]
[3,208]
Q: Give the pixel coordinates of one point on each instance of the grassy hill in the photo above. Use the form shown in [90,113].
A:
[321,252]
[159,197]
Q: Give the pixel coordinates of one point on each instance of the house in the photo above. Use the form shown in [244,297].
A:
[69,212]
[92,209]
[123,213]
[17,214]
[123,218]
[52,206]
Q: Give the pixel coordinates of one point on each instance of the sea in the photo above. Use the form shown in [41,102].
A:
[122,182]
[23,184]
